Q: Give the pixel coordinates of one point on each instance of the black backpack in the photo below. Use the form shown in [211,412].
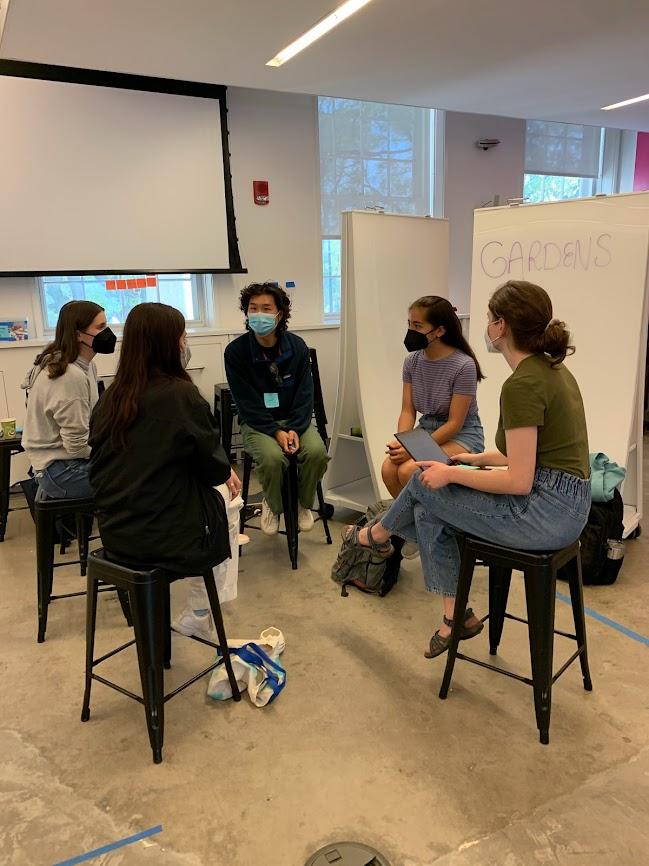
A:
[601,561]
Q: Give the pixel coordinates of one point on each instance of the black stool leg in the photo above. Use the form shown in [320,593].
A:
[146,600]
[289,497]
[91,621]
[84,530]
[215,606]
[540,589]
[577,599]
[167,627]
[5,477]
[499,581]
[322,509]
[122,595]
[44,566]
[467,565]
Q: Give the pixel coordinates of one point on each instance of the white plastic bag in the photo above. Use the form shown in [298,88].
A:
[226,574]
[256,668]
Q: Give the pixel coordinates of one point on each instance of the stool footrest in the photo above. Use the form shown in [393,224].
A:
[524,621]
[515,676]
[112,653]
[138,698]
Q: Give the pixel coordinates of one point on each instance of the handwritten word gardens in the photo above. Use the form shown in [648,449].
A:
[521,259]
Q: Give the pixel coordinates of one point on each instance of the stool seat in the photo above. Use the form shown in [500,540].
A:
[149,601]
[46,513]
[540,575]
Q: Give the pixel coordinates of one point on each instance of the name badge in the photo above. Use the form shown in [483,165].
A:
[271,400]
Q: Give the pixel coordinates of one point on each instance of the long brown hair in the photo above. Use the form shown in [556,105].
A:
[150,352]
[527,310]
[437,312]
[64,348]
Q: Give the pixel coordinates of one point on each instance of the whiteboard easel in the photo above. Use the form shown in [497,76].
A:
[591,256]
[388,261]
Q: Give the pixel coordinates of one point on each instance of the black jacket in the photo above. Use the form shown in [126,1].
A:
[250,377]
[155,500]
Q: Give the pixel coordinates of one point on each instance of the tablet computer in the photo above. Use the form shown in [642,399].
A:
[421,446]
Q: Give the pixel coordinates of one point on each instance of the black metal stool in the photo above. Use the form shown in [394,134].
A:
[8,447]
[540,574]
[46,513]
[148,594]
[289,503]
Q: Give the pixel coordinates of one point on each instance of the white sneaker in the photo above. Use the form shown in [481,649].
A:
[269,521]
[305,519]
[191,624]
[410,550]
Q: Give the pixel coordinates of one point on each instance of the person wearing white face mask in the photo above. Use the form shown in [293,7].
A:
[269,374]
[540,499]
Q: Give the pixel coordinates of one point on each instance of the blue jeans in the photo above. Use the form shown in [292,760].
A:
[66,479]
[471,436]
[550,517]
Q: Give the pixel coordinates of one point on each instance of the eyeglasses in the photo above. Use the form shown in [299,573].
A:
[277,376]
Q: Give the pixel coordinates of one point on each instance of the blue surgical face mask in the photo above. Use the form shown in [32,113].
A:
[262,323]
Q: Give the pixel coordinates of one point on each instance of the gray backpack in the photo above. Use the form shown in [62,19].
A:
[364,567]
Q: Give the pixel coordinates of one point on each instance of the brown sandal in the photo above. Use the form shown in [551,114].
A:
[438,644]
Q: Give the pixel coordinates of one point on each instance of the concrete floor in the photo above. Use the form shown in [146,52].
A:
[358,746]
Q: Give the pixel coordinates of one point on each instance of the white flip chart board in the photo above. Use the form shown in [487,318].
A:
[389,260]
[591,257]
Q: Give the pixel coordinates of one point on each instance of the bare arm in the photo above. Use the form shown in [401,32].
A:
[408,415]
[517,479]
[486,458]
[460,404]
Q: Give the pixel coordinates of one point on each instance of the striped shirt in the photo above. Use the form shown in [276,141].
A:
[435,382]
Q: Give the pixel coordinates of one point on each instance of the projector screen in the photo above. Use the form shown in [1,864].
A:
[111,173]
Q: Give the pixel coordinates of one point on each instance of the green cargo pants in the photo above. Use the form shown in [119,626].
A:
[271,462]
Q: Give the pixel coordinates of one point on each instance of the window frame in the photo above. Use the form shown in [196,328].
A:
[430,132]
[201,283]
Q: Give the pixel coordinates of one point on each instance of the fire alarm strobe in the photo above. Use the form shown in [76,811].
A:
[260,192]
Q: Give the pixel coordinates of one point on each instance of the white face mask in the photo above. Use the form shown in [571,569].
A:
[489,343]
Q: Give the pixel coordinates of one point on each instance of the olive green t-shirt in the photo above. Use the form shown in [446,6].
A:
[538,395]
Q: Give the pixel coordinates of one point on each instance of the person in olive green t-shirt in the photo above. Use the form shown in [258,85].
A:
[540,498]
[546,396]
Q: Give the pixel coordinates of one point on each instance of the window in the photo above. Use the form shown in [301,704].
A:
[562,160]
[371,155]
[551,187]
[186,292]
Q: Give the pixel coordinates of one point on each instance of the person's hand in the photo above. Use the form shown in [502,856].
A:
[233,484]
[293,442]
[467,458]
[282,439]
[434,474]
[397,454]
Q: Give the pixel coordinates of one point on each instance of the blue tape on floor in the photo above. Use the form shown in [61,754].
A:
[90,855]
[610,622]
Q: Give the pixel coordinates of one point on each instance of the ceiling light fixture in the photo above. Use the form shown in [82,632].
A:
[626,102]
[317,31]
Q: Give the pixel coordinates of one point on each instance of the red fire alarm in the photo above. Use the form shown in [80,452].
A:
[260,191]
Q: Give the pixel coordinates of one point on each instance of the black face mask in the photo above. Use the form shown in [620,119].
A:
[104,342]
[415,340]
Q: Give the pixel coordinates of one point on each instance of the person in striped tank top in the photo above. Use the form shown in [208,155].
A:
[440,379]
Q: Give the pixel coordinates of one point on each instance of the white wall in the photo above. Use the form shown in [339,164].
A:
[472,178]
[274,137]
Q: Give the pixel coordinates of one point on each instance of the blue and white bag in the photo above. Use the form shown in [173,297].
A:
[254,668]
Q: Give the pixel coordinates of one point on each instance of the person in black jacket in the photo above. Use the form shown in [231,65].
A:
[269,374]
[156,458]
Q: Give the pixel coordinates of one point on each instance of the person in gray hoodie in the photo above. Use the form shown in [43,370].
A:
[61,394]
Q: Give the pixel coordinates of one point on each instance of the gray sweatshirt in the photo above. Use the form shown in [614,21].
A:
[58,414]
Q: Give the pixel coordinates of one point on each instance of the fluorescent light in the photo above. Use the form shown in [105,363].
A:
[317,31]
[626,102]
